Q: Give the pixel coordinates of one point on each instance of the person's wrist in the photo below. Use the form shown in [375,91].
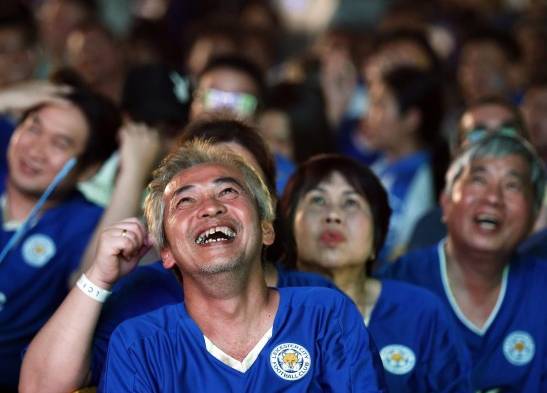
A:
[91,290]
[98,279]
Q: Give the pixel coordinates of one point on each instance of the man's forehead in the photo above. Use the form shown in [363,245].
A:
[513,163]
[62,118]
[203,174]
[490,115]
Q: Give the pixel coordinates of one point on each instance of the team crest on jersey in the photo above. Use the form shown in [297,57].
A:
[290,361]
[38,250]
[398,359]
[519,348]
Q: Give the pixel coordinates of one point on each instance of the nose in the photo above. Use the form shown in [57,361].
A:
[494,194]
[211,207]
[333,216]
[36,150]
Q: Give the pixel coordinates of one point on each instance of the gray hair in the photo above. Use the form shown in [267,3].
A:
[194,153]
[501,145]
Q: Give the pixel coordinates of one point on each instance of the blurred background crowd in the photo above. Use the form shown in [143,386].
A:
[330,76]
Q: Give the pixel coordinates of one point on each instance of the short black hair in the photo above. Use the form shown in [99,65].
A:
[224,128]
[15,15]
[240,64]
[502,39]
[103,120]
[152,95]
[304,105]
[421,90]
[319,168]
[415,36]
[495,100]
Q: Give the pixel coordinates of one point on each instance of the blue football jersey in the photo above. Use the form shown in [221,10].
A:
[418,346]
[34,275]
[509,353]
[409,184]
[293,278]
[318,343]
[152,286]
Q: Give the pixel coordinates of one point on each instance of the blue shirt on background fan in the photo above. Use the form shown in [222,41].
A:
[150,287]
[7,125]
[509,353]
[318,343]
[418,346]
[285,169]
[411,191]
[34,276]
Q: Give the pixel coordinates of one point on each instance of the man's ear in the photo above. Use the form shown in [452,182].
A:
[268,233]
[444,200]
[412,119]
[167,258]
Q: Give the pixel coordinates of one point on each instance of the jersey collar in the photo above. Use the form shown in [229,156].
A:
[454,304]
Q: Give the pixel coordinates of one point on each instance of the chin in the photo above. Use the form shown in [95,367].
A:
[222,267]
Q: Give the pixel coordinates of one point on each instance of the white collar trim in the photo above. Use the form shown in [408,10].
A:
[454,304]
[7,225]
[246,363]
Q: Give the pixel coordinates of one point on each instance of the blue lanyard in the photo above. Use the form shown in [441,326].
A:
[32,216]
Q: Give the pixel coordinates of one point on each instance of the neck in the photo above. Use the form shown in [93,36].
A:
[352,280]
[248,310]
[402,149]
[476,271]
[225,297]
[19,204]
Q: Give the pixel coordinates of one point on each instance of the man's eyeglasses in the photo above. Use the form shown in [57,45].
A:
[243,104]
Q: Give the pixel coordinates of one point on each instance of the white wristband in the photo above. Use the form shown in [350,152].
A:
[92,290]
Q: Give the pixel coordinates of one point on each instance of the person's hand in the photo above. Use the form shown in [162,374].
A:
[119,250]
[25,95]
[140,148]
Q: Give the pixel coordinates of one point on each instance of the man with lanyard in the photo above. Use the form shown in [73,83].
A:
[44,231]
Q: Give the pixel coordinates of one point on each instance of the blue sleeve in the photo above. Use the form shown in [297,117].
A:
[124,370]
[350,359]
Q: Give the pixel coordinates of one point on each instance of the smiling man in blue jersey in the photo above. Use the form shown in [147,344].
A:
[35,269]
[210,215]
[493,195]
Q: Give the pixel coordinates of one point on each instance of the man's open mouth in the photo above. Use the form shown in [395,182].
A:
[486,221]
[216,234]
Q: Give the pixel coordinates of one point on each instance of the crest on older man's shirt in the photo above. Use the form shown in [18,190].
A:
[290,361]
[519,348]
[398,359]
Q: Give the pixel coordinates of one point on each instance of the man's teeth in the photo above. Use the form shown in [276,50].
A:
[215,234]
[487,222]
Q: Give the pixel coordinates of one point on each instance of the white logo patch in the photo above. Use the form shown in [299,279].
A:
[398,359]
[38,250]
[290,361]
[519,348]
[3,300]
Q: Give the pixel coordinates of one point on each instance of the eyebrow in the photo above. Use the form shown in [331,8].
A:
[34,118]
[66,139]
[347,192]
[217,181]
[511,173]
